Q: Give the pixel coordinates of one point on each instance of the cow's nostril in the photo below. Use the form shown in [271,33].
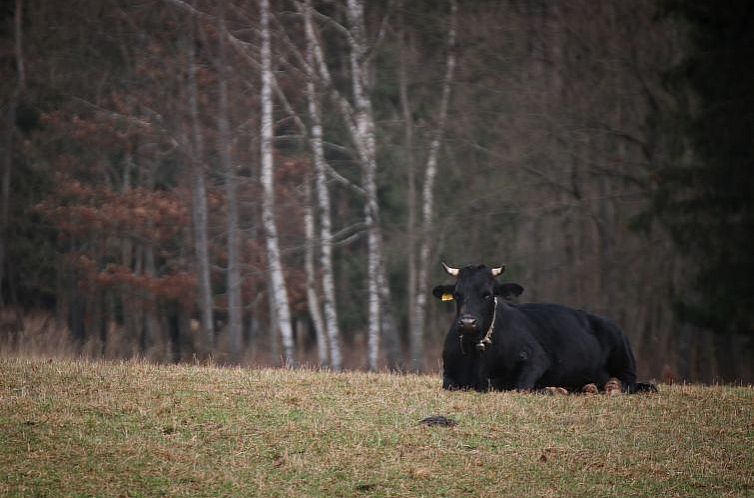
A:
[467,322]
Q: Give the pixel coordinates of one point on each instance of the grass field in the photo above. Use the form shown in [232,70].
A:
[134,429]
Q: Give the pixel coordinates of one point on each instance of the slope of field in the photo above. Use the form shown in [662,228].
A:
[133,429]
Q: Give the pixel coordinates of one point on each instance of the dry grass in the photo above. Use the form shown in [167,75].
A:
[135,429]
[36,334]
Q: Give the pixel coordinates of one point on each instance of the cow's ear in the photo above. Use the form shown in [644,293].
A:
[444,292]
[508,290]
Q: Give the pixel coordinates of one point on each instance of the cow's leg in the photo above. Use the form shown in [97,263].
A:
[450,383]
[454,380]
[501,384]
[459,373]
[451,380]
[531,372]
[621,363]
[481,378]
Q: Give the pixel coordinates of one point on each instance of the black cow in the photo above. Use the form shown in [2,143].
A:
[496,344]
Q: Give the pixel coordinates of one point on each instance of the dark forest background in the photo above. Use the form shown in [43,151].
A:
[601,150]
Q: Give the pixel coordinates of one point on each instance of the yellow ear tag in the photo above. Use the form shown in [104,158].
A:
[447,296]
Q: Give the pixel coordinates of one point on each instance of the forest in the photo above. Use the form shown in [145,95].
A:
[276,182]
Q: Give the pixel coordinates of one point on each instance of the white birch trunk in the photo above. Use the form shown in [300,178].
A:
[420,308]
[366,145]
[360,124]
[199,212]
[233,275]
[311,280]
[323,198]
[278,294]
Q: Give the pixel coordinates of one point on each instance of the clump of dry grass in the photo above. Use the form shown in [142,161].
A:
[75,428]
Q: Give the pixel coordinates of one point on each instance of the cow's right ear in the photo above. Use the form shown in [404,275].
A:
[444,292]
[508,291]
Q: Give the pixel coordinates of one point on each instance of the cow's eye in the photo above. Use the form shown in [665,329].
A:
[487,296]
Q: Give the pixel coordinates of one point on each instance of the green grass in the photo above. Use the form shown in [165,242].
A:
[134,429]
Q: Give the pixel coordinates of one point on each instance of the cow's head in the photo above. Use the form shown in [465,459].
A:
[474,292]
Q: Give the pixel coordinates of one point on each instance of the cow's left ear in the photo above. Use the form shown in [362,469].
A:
[444,292]
[508,290]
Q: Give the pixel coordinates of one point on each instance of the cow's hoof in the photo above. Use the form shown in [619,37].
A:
[590,389]
[613,387]
[555,391]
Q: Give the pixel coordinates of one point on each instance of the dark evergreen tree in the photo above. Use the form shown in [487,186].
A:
[706,196]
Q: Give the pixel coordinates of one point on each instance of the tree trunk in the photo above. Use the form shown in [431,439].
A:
[360,123]
[389,325]
[278,294]
[8,146]
[199,210]
[367,155]
[311,279]
[234,269]
[5,189]
[152,322]
[417,334]
[129,257]
[416,337]
[323,198]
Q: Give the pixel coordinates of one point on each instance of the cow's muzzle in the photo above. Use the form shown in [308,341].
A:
[467,324]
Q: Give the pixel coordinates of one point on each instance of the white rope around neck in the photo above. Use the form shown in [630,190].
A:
[487,339]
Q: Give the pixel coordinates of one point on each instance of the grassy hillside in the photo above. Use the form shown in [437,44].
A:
[132,429]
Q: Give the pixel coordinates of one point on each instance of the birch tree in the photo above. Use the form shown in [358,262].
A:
[278,292]
[430,172]
[359,120]
[323,199]
[366,145]
[312,297]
